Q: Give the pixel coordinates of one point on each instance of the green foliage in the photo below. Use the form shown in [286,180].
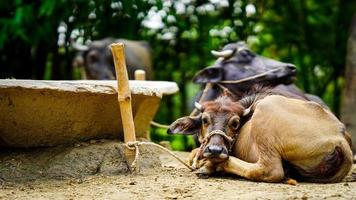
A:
[35,38]
[311,35]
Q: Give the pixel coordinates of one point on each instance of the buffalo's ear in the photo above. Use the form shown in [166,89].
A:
[209,75]
[186,126]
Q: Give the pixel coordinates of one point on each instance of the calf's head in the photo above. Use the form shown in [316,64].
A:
[216,126]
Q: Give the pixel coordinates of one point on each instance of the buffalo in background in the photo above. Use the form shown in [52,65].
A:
[96,62]
[236,62]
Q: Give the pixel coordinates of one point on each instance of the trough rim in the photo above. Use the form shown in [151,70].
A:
[149,88]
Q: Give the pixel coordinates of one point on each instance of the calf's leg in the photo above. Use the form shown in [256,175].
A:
[269,170]
[204,167]
[193,158]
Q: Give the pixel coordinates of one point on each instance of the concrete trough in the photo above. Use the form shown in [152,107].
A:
[37,113]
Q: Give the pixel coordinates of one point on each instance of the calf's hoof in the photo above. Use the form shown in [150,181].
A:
[290,181]
[202,176]
[203,172]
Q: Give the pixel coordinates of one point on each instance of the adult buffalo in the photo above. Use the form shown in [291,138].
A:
[237,69]
[96,58]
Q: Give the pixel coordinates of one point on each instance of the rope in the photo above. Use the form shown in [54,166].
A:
[221,133]
[156,124]
[231,140]
[135,146]
[251,77]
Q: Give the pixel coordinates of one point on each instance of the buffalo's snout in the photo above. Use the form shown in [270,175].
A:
[291,68]
[216,149]
[286,73]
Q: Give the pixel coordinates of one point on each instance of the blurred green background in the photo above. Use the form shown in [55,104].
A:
[35,40]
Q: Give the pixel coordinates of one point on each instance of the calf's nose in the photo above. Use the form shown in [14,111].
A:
[214,150]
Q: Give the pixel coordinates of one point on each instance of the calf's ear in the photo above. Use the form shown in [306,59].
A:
[209,75]
[186,126]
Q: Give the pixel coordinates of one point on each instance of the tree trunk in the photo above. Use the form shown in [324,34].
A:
[348,114]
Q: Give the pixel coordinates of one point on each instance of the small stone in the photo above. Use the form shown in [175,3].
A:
[133,183]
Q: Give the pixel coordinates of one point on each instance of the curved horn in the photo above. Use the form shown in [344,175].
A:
[198,106]
[247,111]
[242,48]
[79,47]
[225,54]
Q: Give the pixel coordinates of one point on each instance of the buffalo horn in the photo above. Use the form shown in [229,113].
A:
[198,106]
[247,111]
[79,47]
[242,48]
[225,54]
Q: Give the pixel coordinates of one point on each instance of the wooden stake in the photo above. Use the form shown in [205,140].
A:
[124,98]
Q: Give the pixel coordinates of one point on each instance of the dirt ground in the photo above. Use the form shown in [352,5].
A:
[173,181]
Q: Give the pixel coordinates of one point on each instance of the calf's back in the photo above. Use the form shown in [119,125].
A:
[301,132]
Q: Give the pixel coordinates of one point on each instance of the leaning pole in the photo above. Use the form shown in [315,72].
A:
[124,99]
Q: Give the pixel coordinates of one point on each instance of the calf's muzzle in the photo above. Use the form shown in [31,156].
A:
[216,146]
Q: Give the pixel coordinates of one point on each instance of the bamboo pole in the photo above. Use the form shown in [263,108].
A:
[124,98]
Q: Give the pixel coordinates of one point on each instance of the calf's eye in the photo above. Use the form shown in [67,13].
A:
[234,123]
[205,120]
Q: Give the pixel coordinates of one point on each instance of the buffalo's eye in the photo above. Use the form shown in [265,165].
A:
[205,120]
[245,53]
[234,123]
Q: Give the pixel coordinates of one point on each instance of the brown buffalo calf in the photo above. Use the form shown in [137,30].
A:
[282,134]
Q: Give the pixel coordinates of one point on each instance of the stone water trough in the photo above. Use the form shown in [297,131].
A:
[37,113]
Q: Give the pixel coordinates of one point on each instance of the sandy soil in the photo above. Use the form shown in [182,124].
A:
[172,181]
